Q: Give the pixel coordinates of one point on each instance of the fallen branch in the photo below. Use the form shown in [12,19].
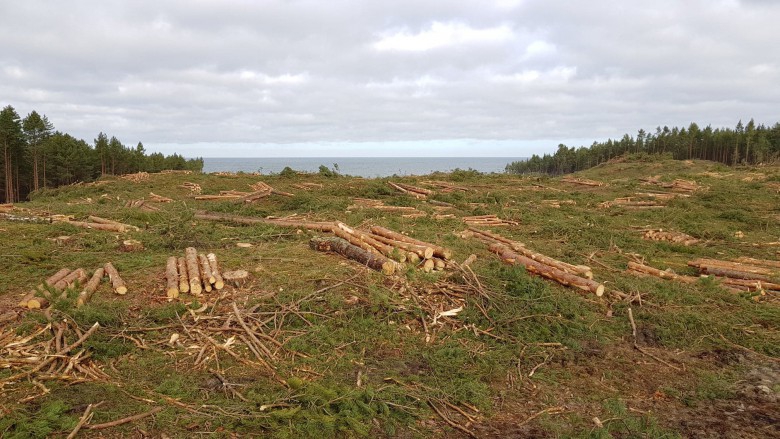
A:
[122,421]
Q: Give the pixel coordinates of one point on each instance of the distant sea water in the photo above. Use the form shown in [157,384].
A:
[359,166]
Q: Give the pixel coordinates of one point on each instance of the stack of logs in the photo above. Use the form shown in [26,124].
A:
[260,190]
[677,185]
[137,177]
[159,198]
[367,203]
[98,223]
[57,286]
[383,249]
[416,192]
[558,203]
[582,181]
[665,235]
[632,203]
[5,208]
[193,273]
[193,187]
[308,186]
[745,274]
[446,187]
[513,252]
[487,220]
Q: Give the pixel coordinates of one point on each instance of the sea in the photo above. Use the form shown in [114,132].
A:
[359,166]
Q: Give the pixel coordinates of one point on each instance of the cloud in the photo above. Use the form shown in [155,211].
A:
[355,74]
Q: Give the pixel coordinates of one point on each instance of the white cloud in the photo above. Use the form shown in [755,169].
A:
[442,35]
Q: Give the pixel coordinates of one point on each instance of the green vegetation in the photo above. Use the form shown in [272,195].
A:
[746,144]
[364,355]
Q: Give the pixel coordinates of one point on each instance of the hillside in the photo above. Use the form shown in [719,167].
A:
[313,344]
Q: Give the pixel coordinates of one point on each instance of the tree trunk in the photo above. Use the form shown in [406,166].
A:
[344,248]
[547,271]
[116,282]
[90,287]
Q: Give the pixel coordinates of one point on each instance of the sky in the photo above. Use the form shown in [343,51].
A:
[503,78]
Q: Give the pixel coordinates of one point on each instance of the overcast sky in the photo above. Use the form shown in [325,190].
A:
[387,78]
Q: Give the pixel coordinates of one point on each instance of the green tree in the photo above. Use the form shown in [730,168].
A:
[12,140]
[36,129]
[101,148]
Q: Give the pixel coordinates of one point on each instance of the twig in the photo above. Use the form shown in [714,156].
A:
[123,420]
[633,324]
[552,410]
[83,420]
[449,421]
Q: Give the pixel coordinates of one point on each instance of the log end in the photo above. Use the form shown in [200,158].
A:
[599,290]
[219,284]
[184,287]
[121,290]
[195,289]
[428,253]
[388,268]
[172,293]
[36,303]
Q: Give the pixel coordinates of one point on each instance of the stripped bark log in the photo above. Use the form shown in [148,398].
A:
[219,283]
[372,260]
[116,281]
[646,270]
[205,272]
[193,272]
[76,275]
[734,266]
[98,226]
[734,274]
[172,278]
[86,294]
[759,262]
[387,250]
[419,251]
[184,279]
[97,219]
[538,268]
[427,250]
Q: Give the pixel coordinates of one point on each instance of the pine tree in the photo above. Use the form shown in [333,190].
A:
[12,140]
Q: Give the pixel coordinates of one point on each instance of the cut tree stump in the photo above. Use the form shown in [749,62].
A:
[337,245]
[237,278]
[131,245]
[116,281]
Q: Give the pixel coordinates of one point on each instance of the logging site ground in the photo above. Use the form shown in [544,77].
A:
[684,340]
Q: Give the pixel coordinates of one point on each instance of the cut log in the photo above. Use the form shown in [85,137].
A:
[216,197]
[76,275]
[219,283]
[406,191]
[97,219]
[438,251]
[90,287]
[547,271]
[420,251]
[759,262]
[734,274]
[116,281]
[319,226]
[663,274]
[735,266]
[172,278]
[415,189]
[582,181]
[50,282]
[236,278]
[205,270]
[98,226]
[367,242]
[159,198]
[427,250]
[428,265]
[496,237]
[372,260]
[193,271]
[184,279]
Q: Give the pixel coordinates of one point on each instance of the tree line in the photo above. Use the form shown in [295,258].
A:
[35,156]
[744,144]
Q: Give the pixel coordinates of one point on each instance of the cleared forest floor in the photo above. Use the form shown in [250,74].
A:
[316,345]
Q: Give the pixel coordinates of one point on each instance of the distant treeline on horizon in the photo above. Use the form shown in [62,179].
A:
[35,156]
[745,144]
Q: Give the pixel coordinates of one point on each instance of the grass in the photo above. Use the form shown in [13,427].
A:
[532,345]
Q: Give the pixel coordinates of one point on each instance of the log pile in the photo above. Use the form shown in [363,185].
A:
[341,246]
[582,181]
[446,187]
[119,228]
[59,284]
[261,186]
[5,208]
[632,203]
[737,270]
[367,203]
[58,357]
[416,192]
[141,204]
[665,235]
[666,196]
[176,171]
[137,177]
[729,274]
[681,185]
[159,198]
[308,186]
[308,225]
[488,221]
[520,248]
[193,273]
[193,187]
